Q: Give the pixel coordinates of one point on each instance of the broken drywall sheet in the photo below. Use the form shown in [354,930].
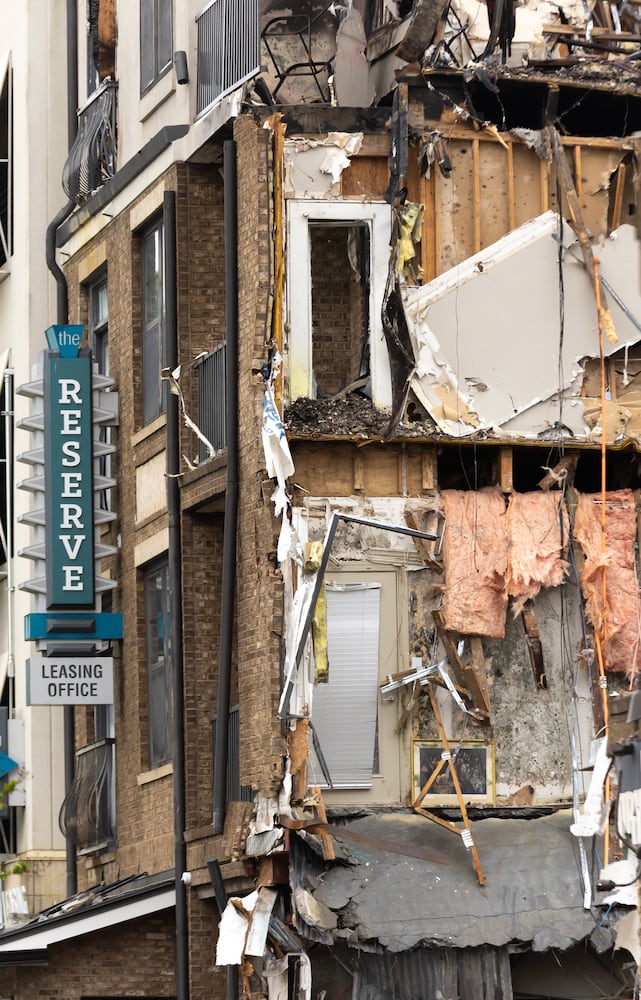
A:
[538,527]
[232,930]
[313,167]
[351,70]
[628,937]
[475,554]
[486,334]
[613,549]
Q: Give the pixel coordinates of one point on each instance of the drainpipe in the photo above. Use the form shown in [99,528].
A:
[228,583]
[175,587]
[62,316]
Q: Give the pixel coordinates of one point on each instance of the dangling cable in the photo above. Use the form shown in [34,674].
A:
[604,611]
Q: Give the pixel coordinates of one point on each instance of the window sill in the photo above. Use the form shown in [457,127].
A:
[160,91]
[148,430]
[158,772]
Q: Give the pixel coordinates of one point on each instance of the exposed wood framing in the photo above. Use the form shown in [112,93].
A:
[534,647]
[468,676]
[329,854]
[506,478]
[466,833]
[615,220]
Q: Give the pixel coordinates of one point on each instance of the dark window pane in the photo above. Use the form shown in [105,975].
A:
[147,44]
[164,35]
[153,317]
[159,664]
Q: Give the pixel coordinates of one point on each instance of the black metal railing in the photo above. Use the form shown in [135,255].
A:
[228,48]
[92,159]
[212,400]
[87,815]
[235,792]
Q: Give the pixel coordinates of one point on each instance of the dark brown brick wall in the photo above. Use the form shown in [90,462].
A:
[145,811]
[338,314]
[136,958]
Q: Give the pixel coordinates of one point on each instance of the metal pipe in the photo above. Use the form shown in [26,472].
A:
[62,316]
[8,539]
[175,599]
[228,584]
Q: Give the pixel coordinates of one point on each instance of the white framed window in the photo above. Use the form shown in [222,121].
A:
[338,257]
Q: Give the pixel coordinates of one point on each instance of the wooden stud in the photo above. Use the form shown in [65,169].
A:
[479,669]
[533,639]
[329,854]
[511,203]
[506,477]
[544,182]
[428,226]
[615,221]
[464,676]
[476,203]
[359,471]
[429,477]
[578,173]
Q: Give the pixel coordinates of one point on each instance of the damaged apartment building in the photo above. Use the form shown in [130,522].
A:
[367,279]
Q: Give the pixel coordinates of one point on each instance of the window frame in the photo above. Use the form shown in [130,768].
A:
[6,132]
[160,666]
[155,9]
[301,214]
[153,329]
[391,784]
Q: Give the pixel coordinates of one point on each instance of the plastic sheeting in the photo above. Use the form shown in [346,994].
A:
[475,555]
[620,626]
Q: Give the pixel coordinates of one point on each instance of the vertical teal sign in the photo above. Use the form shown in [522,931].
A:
[69,527]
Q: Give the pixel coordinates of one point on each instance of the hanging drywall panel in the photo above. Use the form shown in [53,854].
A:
[487,333]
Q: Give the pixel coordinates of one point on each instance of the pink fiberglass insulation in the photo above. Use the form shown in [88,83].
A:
[622,648]
[538,528]
[475,556]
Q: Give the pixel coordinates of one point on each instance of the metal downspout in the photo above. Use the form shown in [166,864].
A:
[62,316]
[8,416]
[175,601]
[228,584]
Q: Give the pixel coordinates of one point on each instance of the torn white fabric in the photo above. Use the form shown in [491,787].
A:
[173,380]
[232,930]
[279,464]
[593,819]
[259,923]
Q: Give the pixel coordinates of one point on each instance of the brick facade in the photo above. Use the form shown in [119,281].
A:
[144,798]
[132,959]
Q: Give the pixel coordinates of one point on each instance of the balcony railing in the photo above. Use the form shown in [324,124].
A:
[212,400]
[228,48]
[87,815]
[92,159]
[234,791]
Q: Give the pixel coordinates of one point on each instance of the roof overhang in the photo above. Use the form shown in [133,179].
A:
[29,944]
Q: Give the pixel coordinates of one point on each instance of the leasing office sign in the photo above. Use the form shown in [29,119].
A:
[68,426]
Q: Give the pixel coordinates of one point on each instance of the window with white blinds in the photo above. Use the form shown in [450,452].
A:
[345,711]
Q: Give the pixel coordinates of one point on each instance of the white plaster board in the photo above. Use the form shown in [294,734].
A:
[488,330]
[303,177]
